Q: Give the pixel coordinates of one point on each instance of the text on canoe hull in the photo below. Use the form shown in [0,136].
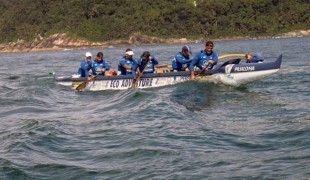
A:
[144,82]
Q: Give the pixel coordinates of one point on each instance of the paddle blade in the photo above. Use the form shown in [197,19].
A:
[81,86]
[133,85]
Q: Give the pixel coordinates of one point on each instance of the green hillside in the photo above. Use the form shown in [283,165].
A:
[101,20]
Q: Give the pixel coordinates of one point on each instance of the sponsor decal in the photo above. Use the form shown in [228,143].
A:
[181,78]
[205,63]
[244,68]
[185,78]
[114,83]
[144,82]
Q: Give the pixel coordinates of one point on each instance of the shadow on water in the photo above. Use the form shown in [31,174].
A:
[198,96]
[195,96]
[13,77]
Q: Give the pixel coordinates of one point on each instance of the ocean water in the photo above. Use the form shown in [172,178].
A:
[192,130]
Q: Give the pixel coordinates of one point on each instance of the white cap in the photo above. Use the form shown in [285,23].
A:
[88,54]
[130,53]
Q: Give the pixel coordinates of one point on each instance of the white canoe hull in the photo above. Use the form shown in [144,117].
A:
[229,74]
[237,79]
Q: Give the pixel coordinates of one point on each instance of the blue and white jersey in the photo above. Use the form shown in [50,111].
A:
[181,61]
[201,60]
[96,67]
[129,62]
[150,68]
[84,68]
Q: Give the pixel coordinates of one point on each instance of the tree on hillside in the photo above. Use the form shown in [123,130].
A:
[101,20]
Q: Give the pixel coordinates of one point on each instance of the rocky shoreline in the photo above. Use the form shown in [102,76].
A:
[63,41]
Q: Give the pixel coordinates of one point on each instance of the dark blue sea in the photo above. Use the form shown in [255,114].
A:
[193,130]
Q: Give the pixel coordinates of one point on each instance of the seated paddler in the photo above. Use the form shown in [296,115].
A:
[181,59]
[205,59]
[127,65]
[255,58]
[100,66]
[85,65]
[147,62]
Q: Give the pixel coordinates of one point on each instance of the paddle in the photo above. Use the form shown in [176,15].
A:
[162,66]
[52,73]
[83,85]
[203,70]
[133,85]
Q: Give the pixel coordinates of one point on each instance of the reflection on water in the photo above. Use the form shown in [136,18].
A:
[195,96]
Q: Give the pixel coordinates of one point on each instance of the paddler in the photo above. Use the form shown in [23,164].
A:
[147,62]
[205,59]
[182,60]
[127,64]
[255,58]
[85,65]
[100,66]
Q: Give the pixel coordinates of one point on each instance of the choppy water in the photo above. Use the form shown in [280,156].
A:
[188,131]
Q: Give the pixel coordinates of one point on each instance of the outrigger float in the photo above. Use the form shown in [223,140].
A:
[231,72]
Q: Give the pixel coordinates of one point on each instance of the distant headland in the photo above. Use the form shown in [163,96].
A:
[63,41]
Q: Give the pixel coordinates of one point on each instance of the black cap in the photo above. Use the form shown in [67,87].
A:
[100,54]
[145,55]
[209,43]
[187,49]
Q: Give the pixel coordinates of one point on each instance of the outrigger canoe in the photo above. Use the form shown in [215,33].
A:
[231,72]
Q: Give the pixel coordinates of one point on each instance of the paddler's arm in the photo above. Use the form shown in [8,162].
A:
[154,59]
[192,75]
[127,66]
[215,59]
[107,66]
[192,65]
[103,70]
[212,62]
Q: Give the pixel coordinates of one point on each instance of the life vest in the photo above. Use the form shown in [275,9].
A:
[180,65]
[129,63]
[98,66]
[204,58]
[149,68]
[84,68]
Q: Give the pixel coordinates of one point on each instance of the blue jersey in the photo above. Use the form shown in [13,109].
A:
[150,68]
[201,60]
[256,58]
[181,61]
[129,62]
[96,67]
[84,68]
